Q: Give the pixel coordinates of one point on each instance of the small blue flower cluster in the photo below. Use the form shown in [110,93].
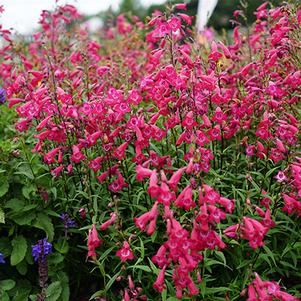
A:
[2,96]
[41,249]
[2,258]
[68,222]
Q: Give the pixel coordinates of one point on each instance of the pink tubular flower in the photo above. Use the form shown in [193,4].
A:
[185,199]
[56,172]
[182,6]
[193,290]
[119,152]
[148,217]
[109,222]
[93,241]
[126,296]
[153,188]
[231,231]
[125,253]
[159,284]
[142,172]
[49,157]
[160,258]
[186,18]
[253,231]
[77,154]
[174,180]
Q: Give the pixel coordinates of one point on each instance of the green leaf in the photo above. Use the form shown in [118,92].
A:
[65,295]
[264,257]
[5,246]
[97,294]
[53,291]
[23,218]
[111,281]
[19,245]
[141,248]
[4,296]
[27,190]
[153,267]
[44,222]
[22,267]
[214,290]
[220,255]
[95,205]
[286,264]
[62,246]
[2,216]
[141,267]
[270,254]
[4,186]
[7,284]
[105,253]
[55,258]
[54,192]
[21,291]
[24,169]
[14,204]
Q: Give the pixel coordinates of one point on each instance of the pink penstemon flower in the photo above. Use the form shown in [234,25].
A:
[93,241]
[125,253]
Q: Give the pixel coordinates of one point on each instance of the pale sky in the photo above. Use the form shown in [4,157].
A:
[23,15]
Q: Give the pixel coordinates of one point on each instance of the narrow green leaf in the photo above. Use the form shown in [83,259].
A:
[164,295]
[2,216]
[141,267]
[111,281]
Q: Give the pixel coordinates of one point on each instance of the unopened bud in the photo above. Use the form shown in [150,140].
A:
[82,212]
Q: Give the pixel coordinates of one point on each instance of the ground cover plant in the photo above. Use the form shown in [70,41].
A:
[140,164]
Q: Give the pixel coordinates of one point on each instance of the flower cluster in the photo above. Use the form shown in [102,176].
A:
[2,95]
[251,229]
[2,258]
[133,292]
[41,249]
[267,290]
[68,222]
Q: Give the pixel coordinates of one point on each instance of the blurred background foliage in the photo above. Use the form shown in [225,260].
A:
[221,18]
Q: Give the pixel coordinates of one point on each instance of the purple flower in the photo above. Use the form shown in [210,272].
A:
[2,258]
[68,222]
[2,95]
[41,249]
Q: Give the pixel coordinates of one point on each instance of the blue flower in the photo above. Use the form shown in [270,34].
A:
[68,222]
[2,96]
[2,258]
[41,249]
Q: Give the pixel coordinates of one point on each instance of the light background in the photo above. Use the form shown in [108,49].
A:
[23,15]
